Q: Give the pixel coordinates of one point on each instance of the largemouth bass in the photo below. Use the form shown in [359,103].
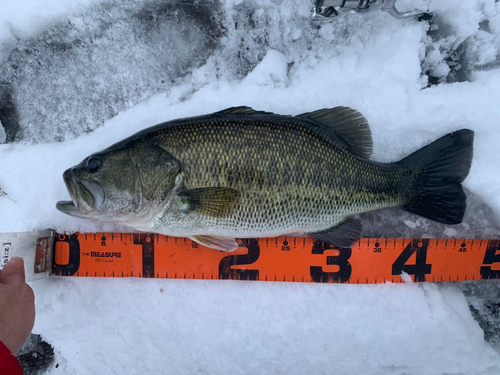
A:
[240,173]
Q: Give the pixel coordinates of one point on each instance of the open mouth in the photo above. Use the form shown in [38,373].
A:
[86,195]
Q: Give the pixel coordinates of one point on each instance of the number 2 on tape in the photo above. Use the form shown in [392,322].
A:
[225,270]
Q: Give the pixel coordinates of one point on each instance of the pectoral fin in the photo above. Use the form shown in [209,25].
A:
[215,242]
[210,201]
[344,234]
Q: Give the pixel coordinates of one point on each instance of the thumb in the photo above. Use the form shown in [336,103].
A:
[13,272]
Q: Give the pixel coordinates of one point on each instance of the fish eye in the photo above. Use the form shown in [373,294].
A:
[94,164]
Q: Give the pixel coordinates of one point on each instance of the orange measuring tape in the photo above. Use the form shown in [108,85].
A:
[285,259]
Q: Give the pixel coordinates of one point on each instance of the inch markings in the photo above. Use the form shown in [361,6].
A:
[282,259]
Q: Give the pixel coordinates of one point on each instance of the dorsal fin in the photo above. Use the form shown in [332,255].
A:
[340,124]
[347,125]
[242,110]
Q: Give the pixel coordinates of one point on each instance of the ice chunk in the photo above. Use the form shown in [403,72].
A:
[406,278]
[450,232]
[272,70]
[482,49]
[461,43]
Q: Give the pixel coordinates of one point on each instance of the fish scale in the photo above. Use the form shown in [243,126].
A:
[286,185]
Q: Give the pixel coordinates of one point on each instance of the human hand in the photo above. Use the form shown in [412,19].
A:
[17,306]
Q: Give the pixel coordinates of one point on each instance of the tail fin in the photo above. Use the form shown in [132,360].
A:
[441,167]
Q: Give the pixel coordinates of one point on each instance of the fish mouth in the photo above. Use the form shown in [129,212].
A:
[87,196]
[68,207]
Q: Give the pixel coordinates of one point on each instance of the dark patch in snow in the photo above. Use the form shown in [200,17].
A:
[78,73]
[8,115]
[36,356]
[450,59]
[84,70]
[484,302]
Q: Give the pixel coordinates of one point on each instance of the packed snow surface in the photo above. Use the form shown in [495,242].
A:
[86,74]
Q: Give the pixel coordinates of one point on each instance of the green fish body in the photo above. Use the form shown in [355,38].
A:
[241,173]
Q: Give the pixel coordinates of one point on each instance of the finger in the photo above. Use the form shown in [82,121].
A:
[13,272]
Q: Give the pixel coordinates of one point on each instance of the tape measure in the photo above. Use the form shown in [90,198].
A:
[285,259]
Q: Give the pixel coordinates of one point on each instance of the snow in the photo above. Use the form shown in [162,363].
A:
[121,79]
[123,326]
[26,18]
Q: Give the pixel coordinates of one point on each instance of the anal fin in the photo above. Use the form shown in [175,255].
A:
[344,234]
[215,242]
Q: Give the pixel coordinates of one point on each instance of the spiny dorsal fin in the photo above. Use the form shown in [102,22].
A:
[242,110]
[213,201]
[347,125]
